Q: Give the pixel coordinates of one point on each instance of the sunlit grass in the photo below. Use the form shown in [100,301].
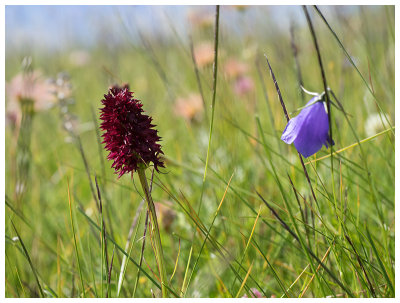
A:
[339,244]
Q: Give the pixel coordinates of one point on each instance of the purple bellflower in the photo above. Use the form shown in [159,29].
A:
[309,130]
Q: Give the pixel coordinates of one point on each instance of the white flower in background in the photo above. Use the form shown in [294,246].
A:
[373,124]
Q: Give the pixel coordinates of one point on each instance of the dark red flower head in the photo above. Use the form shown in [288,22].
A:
[128,133]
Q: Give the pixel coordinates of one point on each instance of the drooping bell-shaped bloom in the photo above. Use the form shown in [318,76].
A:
[129,135]
[310,129]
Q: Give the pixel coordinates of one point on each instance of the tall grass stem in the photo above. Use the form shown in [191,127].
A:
[214,91]
[156,231]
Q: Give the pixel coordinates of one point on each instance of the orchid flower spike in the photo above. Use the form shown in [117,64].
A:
[129,134]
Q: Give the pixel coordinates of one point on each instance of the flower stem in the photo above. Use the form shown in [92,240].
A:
[156,231]
[214,91]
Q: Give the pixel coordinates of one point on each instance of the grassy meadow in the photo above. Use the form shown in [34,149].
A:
[238,216]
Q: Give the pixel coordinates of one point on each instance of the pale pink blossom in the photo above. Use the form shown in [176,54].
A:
[31,85]
[190,108]
[256,292]
[204,54]
[201,18]
[234,68]
[244,85]
[28,85]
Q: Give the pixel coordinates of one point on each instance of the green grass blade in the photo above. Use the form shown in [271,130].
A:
[383,268]
[119,248]
[75,245]
[29,260]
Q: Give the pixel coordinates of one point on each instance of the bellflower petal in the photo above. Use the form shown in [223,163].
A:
[309,130]
[291,131]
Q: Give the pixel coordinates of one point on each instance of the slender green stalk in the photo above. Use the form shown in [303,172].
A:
[280,282]
[248,243]
[381,265]
[381,112]
[295,52]
[91,268]
[184,284]
[102,253]
[103,237]
[23,153]
[29,260]
[277,180]
[119,248]
[287,119]
[196,71]
[16,291]
[323,76]
[208,232]
[156,231]
[215,69]
[20,282]
[366,167]
[270,112]
[134,223]
[307,249]
[75,245]
[109,271]
[141,252]
[224,253]
[371,288]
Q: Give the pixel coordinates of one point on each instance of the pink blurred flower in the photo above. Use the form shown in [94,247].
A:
[200,18]
[13,115]
[32,86]
[28,85]
[256,292]
[204,54]
[234,68]
[243,85]
[190,108]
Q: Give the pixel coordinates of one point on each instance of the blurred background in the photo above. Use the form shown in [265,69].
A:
[54,28]
[61,60]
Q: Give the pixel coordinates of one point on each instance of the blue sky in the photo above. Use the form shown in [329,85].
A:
[57,27]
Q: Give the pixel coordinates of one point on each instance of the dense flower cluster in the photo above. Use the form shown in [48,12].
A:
[128,133]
